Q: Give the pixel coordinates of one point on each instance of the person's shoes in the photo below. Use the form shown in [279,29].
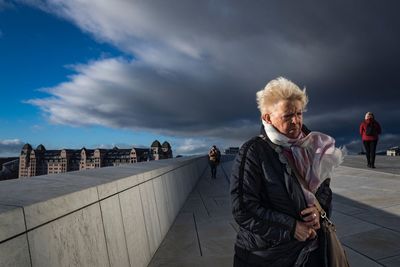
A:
[373,166]
[369,165]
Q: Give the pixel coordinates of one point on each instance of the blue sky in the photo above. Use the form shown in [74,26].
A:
[101,73]
[36,49]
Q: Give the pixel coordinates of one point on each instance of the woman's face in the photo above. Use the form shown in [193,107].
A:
[286,117]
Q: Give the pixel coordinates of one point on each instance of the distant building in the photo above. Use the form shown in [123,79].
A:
[159,151]
[232,151]
[166,150]
[394,151]
[39,161]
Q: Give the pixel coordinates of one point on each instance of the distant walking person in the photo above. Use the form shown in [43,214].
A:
[214,157]
[369,131]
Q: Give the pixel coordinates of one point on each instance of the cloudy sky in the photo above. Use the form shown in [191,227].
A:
[103,73]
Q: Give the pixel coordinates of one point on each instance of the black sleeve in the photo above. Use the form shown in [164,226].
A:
[324,196]
[248,211]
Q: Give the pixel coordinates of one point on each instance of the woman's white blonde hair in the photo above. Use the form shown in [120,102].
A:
[369,113]
[277,90]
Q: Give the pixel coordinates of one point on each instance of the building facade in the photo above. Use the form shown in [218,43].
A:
[159,151]
[394,151]
[39,161]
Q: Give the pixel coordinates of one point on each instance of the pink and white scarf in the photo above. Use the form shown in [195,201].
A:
[315,156]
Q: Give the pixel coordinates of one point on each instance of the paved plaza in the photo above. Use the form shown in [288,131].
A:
[366,212]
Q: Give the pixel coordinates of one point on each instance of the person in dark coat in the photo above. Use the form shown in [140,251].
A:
[370,130]
[279,223]
[214,156]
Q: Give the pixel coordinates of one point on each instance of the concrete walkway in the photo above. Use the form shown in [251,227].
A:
[366,212]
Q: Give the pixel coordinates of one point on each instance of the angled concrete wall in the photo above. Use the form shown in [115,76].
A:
[115,216]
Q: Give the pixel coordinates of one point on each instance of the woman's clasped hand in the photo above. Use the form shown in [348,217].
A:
[307,229]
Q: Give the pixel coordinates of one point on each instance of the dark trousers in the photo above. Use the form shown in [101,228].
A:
[244,258]
[213,166]
[370,150]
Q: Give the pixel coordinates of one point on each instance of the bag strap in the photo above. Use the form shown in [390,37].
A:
[302,181]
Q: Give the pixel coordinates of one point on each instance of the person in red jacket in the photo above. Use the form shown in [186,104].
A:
[370,129]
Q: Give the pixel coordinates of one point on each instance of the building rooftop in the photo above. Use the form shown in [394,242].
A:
[156,143]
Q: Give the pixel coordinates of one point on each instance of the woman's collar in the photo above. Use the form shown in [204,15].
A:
[277,138]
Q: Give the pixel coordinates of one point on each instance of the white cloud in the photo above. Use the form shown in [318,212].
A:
[128,94]
[10,142]
[192,146]
[37,128]
[199,146]
[176,85]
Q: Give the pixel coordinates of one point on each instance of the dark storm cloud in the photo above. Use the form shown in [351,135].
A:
[198,65]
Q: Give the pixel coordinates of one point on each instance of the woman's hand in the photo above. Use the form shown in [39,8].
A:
[304,232]
[307,229]
[311,217]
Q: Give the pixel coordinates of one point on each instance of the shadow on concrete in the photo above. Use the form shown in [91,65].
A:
[371,235]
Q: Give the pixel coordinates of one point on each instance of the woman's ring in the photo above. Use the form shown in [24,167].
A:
[314,215]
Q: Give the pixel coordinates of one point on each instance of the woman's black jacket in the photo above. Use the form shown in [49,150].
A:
[266,202]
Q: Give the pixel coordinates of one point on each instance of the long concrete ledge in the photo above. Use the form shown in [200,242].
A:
[115,216]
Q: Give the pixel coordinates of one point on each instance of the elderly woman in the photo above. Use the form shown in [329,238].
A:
[278,219]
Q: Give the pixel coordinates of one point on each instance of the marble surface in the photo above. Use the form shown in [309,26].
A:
[15,253]
[114,231]
[11,222]
[74,240]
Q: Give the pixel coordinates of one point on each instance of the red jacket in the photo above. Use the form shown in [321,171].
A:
[363,127]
